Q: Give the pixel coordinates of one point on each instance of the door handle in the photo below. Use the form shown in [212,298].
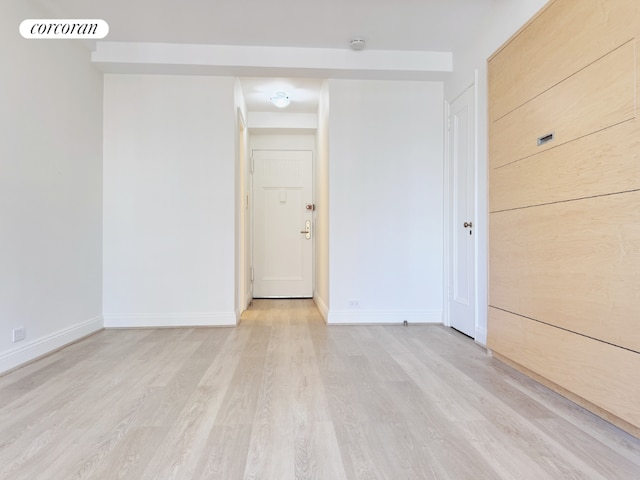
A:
[468,224]
[307,229]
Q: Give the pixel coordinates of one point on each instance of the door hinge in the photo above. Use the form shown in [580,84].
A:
[253,163]
[251,274]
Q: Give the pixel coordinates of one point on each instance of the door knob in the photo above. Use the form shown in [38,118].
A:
[468,224]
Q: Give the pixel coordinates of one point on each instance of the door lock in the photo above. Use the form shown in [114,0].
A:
[307,229]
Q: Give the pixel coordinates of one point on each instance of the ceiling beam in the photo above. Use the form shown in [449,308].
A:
[128,57]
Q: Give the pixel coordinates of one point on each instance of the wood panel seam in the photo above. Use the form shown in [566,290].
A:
[565,201]
[565,329]
[632,39]
[527,157]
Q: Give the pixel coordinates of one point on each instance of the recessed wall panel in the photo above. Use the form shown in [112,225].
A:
[575,265]
[563,39]
[598,97]
[603,163]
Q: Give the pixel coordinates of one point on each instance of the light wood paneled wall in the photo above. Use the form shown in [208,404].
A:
[565,215]
[590,166]
[564,38]
[597,97]
[560,355]
[573,264]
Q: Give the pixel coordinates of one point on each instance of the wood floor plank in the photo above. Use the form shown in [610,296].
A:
[271,450]
[94,396]
[317,455]
[225,454]
[590,425]
[284,396]
[178,456]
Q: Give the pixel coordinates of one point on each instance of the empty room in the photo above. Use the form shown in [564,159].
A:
[330,240]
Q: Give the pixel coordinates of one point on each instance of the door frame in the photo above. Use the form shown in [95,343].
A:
[244,222]
[448,212]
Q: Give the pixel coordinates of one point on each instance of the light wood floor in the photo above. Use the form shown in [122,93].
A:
[283,396]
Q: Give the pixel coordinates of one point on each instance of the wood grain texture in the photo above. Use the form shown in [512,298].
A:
[600,164]
[604,374]
[564,38]
[564,222]
[573,265]
[598,97]
[285,396]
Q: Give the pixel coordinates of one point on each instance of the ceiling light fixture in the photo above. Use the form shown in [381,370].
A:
[280,99]
[356,44]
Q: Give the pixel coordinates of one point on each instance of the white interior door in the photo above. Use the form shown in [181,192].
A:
[283,245]
[462,159]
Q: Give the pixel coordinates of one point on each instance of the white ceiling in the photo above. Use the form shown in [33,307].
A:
[304,93]
[384,24]
[417,25]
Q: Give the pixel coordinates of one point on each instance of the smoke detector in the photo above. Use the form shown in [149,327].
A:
[356,44]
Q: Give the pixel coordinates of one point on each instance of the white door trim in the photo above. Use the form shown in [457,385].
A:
[244,287]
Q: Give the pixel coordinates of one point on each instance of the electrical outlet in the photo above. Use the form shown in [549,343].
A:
[354,303]
[19,334]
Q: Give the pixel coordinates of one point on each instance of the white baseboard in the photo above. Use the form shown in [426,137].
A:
[148,320]
[384,317]
[42,346]
[481,336]
[322,307]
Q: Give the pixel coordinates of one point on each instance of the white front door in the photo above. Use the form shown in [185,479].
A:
[462,159]
[283,233]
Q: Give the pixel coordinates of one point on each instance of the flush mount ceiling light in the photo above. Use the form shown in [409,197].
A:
[280,99]
[356,44]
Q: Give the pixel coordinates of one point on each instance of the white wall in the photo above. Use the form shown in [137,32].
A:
[169,179]
[321,199]
[266,141]
[386,210]
[473,50]
[471,55]
[50,191]
[283,121]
